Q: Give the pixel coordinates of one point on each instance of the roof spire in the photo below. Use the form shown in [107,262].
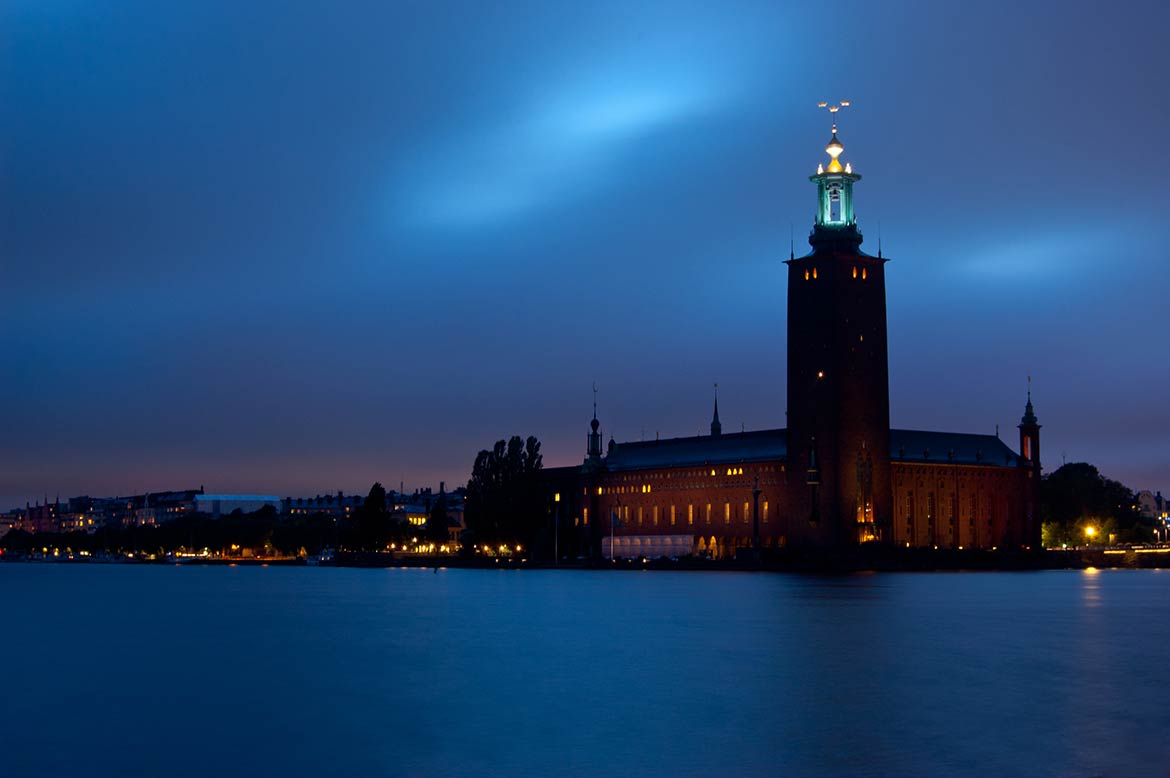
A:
[834,148]
[1029,417]
[716,427]
[593,449]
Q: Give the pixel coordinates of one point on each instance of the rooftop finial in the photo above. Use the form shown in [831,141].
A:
[834,149]
[1029,417]
[595,399]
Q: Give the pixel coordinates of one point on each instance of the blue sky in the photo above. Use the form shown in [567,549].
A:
[299,247]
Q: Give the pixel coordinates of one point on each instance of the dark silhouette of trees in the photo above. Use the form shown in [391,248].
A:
[371,528]
[437,520]
[1076,496]
[503,496]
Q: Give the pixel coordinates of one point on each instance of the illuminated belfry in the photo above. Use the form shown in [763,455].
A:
[835,218]
[838,386]
[835,185]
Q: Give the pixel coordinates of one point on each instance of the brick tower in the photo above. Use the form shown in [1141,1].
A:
[838,469]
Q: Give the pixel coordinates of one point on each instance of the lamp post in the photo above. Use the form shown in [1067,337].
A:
[613,520]
[756,519]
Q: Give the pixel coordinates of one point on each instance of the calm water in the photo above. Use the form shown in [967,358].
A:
[129,670]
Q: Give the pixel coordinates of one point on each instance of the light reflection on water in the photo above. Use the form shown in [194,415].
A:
[185,671]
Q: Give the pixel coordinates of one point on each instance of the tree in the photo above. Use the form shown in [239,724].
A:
[503,496]
[1076,497]
[375,502]
[437,520]
[370,528]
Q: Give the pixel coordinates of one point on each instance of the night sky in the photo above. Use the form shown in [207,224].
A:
[294,248]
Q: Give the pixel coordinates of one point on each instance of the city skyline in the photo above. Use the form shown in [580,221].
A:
[231,267]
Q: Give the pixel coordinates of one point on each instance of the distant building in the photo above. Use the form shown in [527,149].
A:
[837,475]
[337,506]
[415,509]
[9,520]
[1150,505]
[216,505]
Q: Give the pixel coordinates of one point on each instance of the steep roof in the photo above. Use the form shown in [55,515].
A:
[772,445]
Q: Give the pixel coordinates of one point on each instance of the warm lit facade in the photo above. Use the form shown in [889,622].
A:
[838,475]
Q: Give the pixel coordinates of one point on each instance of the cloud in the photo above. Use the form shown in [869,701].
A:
[1037,256]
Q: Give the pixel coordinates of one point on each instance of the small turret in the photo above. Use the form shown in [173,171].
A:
[1030,433]
[593,447]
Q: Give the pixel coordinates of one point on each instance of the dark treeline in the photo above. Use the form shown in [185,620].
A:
[1076,496]
[504,503]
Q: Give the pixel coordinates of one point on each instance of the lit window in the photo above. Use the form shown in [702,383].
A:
[708,513]
[855,272]
[726,513]
[806,275]
[765,510]
[585,520]
[746,513]
[672,515]
[639,515]
[655,515]
[690,513]
[814,272]
[863,274]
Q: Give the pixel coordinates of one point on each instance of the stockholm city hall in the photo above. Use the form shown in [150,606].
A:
[838,476]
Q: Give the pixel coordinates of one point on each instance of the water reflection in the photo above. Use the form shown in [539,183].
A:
[303,672]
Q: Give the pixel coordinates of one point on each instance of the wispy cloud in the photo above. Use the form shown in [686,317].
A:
[564,144]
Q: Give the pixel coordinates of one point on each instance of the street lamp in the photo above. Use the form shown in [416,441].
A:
[614,518]
[1090,533]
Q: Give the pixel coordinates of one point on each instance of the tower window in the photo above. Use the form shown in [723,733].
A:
[806,275]
[855,272]
[863,274]
[814,272]
[835,203]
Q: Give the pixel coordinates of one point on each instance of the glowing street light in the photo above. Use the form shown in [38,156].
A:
[1090,532]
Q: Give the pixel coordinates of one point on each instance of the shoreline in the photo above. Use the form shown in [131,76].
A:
[855,561]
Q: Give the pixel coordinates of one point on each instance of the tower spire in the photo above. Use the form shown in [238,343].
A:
[593,449]
[835,222]
[1029,417]
[716,427]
